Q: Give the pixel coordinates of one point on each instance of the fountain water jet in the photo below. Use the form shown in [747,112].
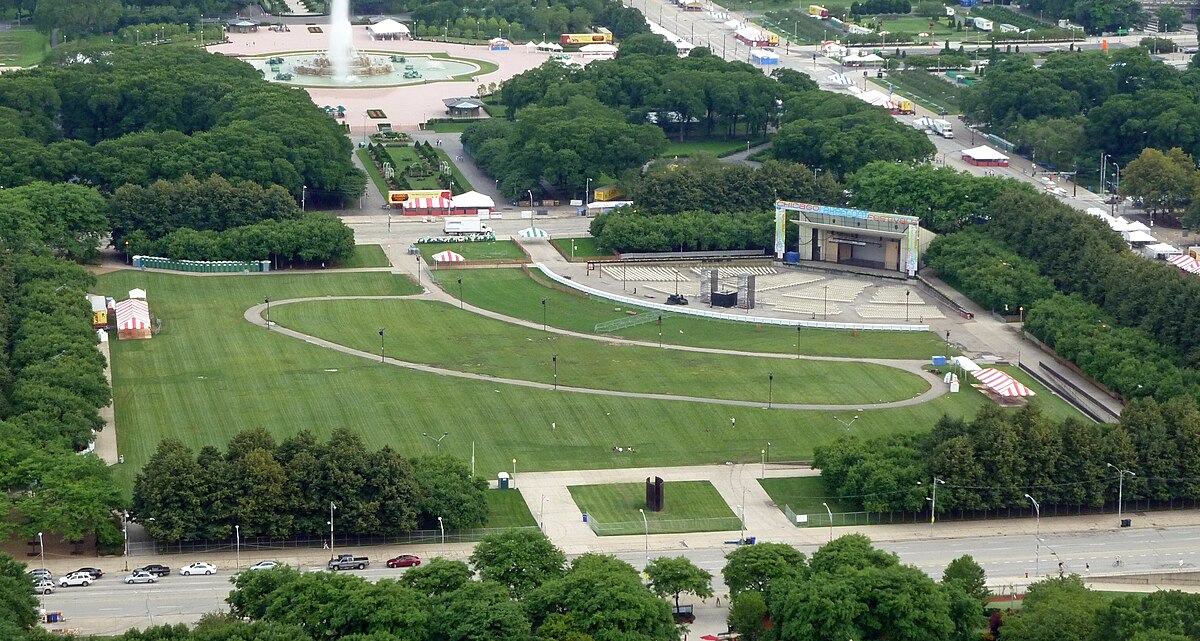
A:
[341,48]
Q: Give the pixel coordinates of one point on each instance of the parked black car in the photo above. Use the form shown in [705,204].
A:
[155,569]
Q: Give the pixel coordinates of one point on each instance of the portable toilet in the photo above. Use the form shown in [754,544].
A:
[502,480]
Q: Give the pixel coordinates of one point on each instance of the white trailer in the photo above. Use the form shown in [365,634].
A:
[465,225]
[983,24]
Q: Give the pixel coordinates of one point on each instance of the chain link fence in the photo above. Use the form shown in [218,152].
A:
[1129,509]
[665,526]
[431,537]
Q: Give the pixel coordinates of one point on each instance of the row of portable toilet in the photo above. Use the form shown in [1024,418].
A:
[215,266]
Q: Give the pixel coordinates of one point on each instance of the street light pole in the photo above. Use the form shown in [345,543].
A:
[1037,563]
[933,504]
[332,507]
[267,300]
[514,476]
[543,314]
[646,524]
[830,513]
[797,342]
[442,528]
[418,270]
[1120,486]
[541,510]
[460,294]
[554,359]
[906,293]
[381,357]
[764,464]
[437,440]
[237,537]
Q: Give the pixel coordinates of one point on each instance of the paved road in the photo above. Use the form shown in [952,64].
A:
[109,607]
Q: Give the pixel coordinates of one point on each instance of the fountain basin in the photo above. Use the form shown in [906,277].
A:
[368,69]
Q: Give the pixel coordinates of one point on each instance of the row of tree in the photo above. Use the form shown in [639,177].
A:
[68,220]
[627,230]
[51,386]
[214,204]
[1077,105]
[992,461]
[285,489]
[79,18]
[987,272]
[312,238]
[549,18]
[144,114]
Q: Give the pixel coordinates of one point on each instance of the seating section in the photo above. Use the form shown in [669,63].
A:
[641,273]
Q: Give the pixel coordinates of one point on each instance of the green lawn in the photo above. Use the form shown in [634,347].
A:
[373,172]
[22,47]
[717,148]
[366,256]
[443,336]
[209,374]
[507,508]
[405,156]
[584,248]
[688,506]
[514,293]
[489,250]
[805,494]
[923,87]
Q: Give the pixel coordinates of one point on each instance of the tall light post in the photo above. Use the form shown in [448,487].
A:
[42,556]
[267,300]
[418,271]
[770,390]
[541,511]
[437,440]
[543,314]
[646,524]
[124,534]
[1037,563]
[554,359]
[830,513]
[237,538]
[764,464]
[460,294]
[587,190]
[442,528]
[381,357]
[303,196]
[826,288]
[514,476]
[1120,486]
[332,507]
[933,504]
[742,509]
[530,192]
[797,342]
[906,294]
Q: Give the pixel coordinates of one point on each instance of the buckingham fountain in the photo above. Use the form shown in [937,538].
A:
[342,65]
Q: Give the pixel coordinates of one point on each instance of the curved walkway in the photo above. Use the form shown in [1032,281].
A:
[254,315]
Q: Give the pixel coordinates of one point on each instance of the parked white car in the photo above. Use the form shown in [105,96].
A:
[44,586]
[200,567]
[76,578]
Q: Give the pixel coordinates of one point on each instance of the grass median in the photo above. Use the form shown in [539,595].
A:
[688,506]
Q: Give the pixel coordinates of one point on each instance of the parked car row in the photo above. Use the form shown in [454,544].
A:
[45,583]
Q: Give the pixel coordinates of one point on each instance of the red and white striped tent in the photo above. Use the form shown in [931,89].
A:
[448,257]
[133,319]
[426,206]
[1001,384]
[1186,263]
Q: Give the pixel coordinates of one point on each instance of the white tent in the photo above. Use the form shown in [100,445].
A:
[472,200]
[598,48]
[833,49]
[1122,224]
[733,24]
[533,232]
[1138,236]
[387,29]
[984,153]
[1002,384]
[137,293]
[531,45]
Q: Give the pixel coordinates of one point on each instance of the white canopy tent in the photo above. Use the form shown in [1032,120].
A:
[984,153]
[388,30]
[472,200]
[597,48]
[533,232]
[448,257]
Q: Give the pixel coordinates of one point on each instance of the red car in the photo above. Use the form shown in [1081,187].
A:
[404,561]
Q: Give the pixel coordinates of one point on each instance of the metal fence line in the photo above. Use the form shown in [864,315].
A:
[1129,509]
[341,541]
[667,526]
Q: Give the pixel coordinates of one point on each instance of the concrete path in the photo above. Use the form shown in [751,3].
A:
[106,439]
[452,145]
[255,315]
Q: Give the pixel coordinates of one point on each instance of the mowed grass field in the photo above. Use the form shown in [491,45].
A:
[22,47]
[366,256]
[493,250]
[507,508]
[438,334]
[210,374]
[805,494]
[584,248]
[514,293]
[688,506]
